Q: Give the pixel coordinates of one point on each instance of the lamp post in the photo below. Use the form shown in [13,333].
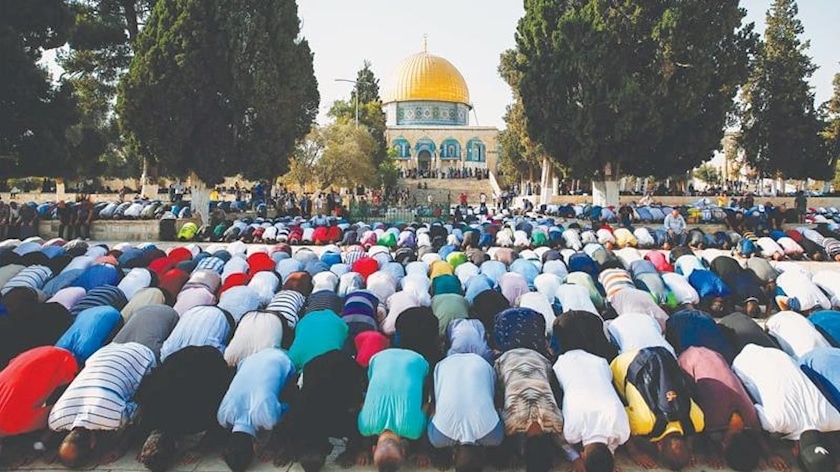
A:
[354,82]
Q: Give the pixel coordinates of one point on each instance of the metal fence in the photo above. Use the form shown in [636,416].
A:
[385,213]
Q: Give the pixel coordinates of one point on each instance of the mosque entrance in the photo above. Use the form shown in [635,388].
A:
[424,160]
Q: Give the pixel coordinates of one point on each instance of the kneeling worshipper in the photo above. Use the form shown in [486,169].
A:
[252,403]
[796,292]
[27,385]
[257,330]
[90,331]
[465,420]
[822,366]
[394,408]
[35,325]
[788,403]
[593,415]
[585,331]
[319,414]
[687,328]
[663,416]
[200,326]
[733,431]
[532,417]
[182,397]
[794,333]
[317,333]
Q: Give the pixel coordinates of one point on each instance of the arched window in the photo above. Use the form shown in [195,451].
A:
[450,149]
[402,147]
[476,150]
[425,144]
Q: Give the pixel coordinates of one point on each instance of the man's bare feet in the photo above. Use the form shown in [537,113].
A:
[421,460]
[364,458]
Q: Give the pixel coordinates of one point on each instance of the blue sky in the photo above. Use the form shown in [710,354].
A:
[472,33]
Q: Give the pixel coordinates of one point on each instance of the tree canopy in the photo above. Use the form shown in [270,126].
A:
[780,125]
[34,115]
[220,88]
[644,86]
[347,158]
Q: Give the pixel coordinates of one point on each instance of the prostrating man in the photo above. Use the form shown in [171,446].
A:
[733,431]
[687,328]
[532,417]
[181,397]
[319,414]
[98,406]
[393,412]
[593,415]
[663,416]
[465,417]
[585,331]
[26,385]
[786,401]
[252,403]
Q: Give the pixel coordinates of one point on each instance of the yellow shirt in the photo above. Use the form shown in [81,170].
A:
[642,419]
[439,268]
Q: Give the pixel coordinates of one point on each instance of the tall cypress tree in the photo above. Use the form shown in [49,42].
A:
[780,125]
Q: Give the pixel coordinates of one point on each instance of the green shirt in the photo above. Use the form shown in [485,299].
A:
[317,333]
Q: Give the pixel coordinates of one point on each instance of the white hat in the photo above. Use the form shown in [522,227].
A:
[819,219]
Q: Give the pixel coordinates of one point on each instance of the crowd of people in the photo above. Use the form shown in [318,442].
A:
[426,342]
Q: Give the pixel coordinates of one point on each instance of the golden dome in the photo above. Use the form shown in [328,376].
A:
[426,77]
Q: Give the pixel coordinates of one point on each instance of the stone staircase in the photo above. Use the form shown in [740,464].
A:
[443,189]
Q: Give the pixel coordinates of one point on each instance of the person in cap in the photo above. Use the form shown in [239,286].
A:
[663,416]
[394,407]
[26,386]
[252,403]
[593,415]
[733,432]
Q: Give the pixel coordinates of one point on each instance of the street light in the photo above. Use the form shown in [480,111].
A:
[354,82]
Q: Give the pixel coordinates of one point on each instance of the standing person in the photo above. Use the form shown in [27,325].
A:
[84,216]
[5,219]
[801,204]
[65,220]
[394,409]
[675,227]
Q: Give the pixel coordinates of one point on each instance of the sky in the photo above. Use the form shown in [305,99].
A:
[473,33]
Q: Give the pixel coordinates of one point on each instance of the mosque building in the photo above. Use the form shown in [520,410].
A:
[427,109]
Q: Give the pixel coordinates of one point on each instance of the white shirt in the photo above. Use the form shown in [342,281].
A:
[796,285]
[633,300]
[539,303]
[634,331]
[686,264]
[769,247]
[679,286]
[575,298]
[787,402]
[239,300]
[465,386]
[795,334]
[790,266]
[135,280]
[829,282]
[256,331]
[627,256]
[100,397]
[791,247]
[265,284]
[592,411]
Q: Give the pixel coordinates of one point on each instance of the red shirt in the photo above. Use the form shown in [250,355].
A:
[27,382]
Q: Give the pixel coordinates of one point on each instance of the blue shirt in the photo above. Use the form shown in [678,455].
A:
[822,366]
[199,326]
[827,323]
[89,331]
[252,401]
[394,399]
[687,328]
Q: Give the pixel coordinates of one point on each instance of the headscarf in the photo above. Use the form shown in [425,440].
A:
[417,330]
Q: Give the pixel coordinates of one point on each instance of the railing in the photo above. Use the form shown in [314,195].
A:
[384,213]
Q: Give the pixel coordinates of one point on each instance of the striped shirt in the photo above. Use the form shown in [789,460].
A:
[200,326]
[524,375]
[106,295]
[212,263]
[288,304]
[615,280]
[100,398]
[33,277]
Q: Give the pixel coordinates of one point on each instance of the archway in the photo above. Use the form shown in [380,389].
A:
[424,160]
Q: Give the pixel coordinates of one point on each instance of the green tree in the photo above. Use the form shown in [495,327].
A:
[347,159]
[830,112]
[520,156]
[644,86]
[220,88]
[779,123]
[708,174]
[302,166]
[371,116]
[34,115]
